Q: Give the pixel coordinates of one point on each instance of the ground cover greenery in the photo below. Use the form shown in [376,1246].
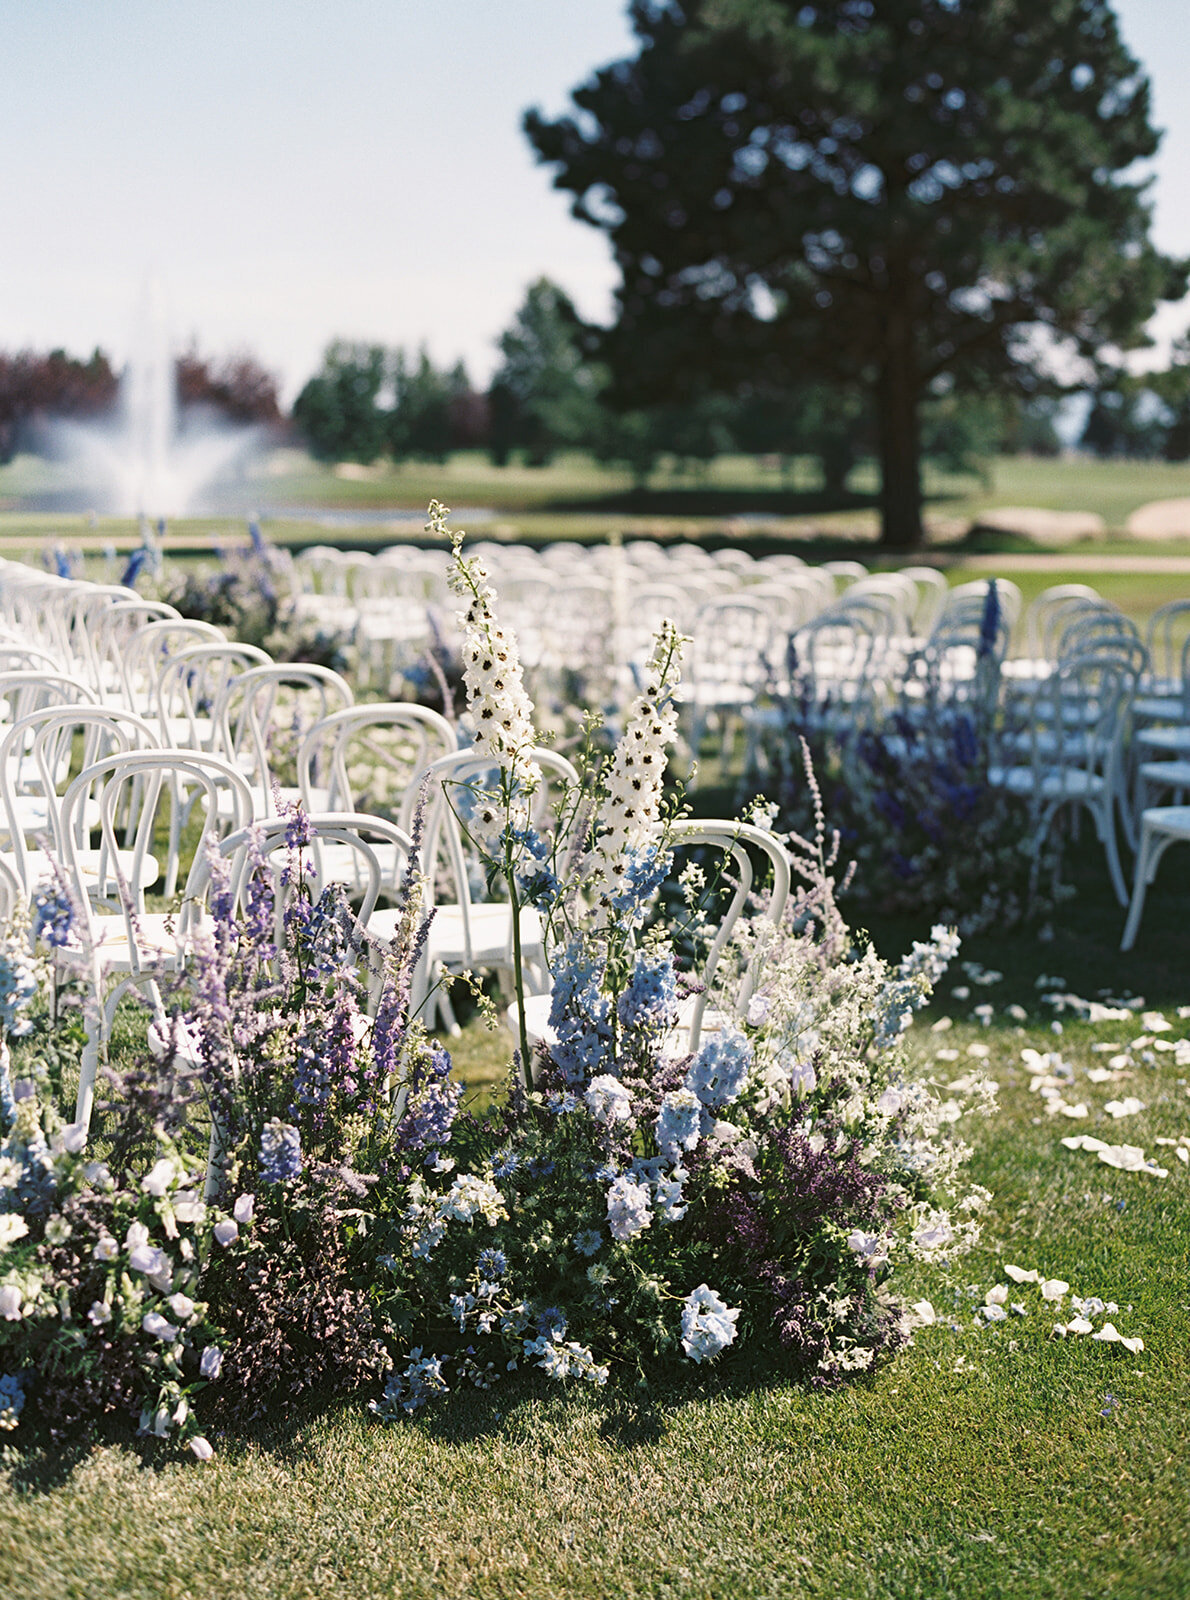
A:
[995,1462]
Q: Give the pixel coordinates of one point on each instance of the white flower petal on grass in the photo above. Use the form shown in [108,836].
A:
[1019,1274]
[1054,1289]
[1079,1325]
[1128,1107]
[1110,1334]
[924,1312]
[1154,1022]
[1076,1112]
[1130,1158]
[12,1228]
[993,1313]
[1083,1141]
[997,1296]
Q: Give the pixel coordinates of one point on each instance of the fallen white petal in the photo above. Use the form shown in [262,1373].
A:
[1128,1107]
[1054,1289]
[1019,1274]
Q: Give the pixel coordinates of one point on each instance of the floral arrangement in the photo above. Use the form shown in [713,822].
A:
[290,1193]
[908,790]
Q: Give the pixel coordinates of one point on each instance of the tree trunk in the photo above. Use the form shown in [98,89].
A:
[898,397]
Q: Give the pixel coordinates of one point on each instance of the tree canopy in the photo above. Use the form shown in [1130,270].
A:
[901,197]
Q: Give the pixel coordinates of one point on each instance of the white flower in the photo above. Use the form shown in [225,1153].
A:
[12,1228]
[870,1248]
[74,1138]
[890,1102]
[708,1326]
[182,1306]
[470,1197]
[628,1210]
[137,1235]
[226,1232]
[148,1259]
[201,1447]
[159,1177]
[10,1302]
[188,1207]
[211,1362]
[243,1209]
[106,1248]
[153,1322]
[608,1100]
[99,1313]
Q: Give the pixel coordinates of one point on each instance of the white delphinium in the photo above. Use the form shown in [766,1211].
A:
[629,821]
[500,710]
[708,1325]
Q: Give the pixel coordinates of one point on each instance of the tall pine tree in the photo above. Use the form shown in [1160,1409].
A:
[902,194]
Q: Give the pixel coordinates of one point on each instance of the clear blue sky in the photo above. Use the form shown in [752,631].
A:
[296,169]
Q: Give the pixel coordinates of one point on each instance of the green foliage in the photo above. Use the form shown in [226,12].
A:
[866,195]
[545,394]
[339,410]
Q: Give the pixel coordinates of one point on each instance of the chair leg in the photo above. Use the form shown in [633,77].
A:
[1139,885]
[1107,832]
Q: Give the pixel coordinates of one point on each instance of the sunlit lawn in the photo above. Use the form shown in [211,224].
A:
[575,497]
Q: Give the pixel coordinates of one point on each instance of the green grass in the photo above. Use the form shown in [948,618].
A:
[976,1465]
[732,497]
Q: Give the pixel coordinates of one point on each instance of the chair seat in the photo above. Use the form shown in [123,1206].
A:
[1170,774]
[1054,783]
[1173,821]
[1174,741]
[1160,708]
[157,942]
[40,866]
[491,934]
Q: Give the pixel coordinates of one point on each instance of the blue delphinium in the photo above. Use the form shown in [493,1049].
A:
[651,996]
[12,1399]
[718,1071]
[280,1151]
[53,916]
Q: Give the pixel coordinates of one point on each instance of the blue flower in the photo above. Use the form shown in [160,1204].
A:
[492,1263]
[651,997]
[12,1399]
[551,1322]
[504,1163]
[280,1151]
[718,1071]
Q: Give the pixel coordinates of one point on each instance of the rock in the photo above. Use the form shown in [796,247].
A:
[1041,526]
[1161,519]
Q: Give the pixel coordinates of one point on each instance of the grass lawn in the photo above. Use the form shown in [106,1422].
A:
[732,497]
[1002,1462]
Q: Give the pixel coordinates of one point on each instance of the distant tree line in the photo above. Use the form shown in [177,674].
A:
[552,393]
[37,388]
